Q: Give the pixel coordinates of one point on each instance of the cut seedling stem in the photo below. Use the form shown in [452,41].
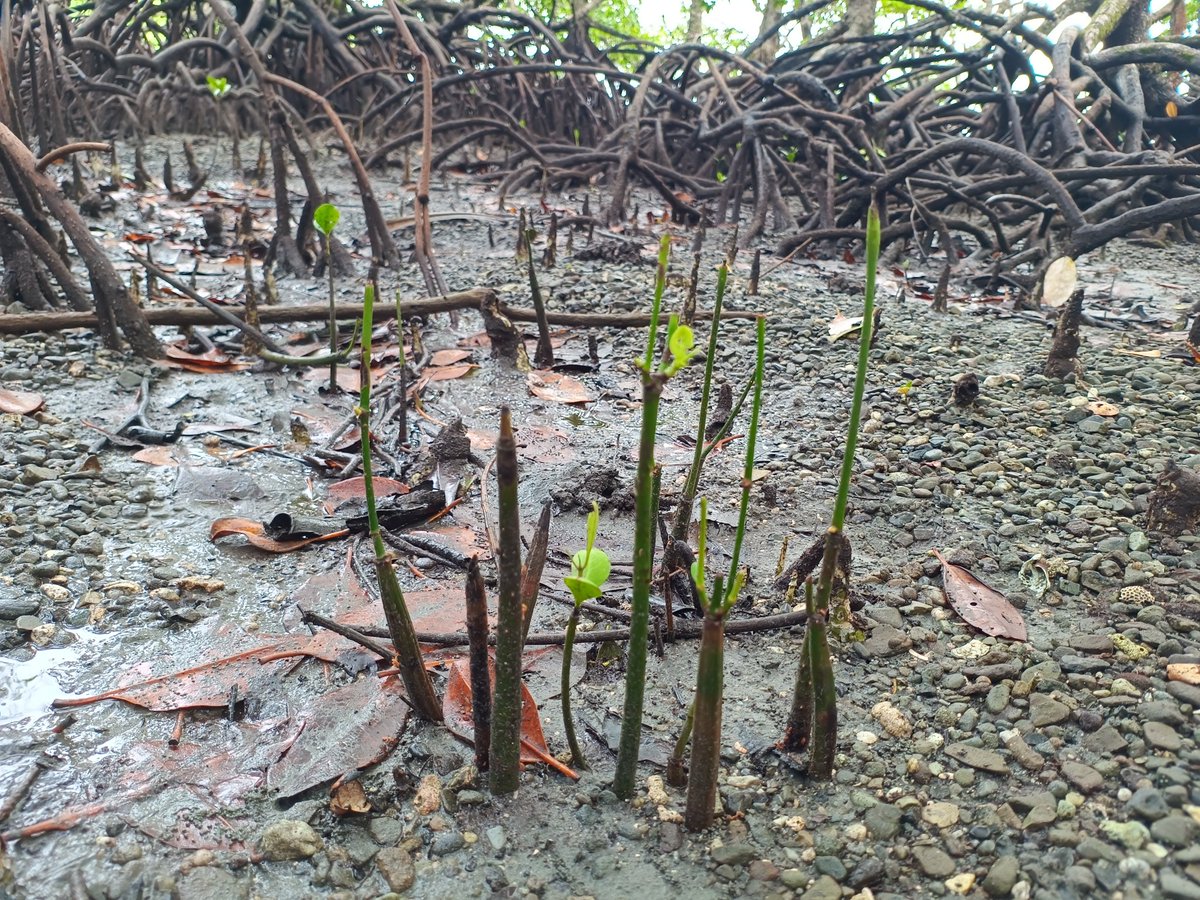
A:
[706,736]
[543,356]
[481,679]
[506,707]
[400,626]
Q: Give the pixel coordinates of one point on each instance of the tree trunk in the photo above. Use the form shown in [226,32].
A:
[860,18]
[695,21]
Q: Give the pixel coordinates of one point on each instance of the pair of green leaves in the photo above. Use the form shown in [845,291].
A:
[218,87]
[589,567]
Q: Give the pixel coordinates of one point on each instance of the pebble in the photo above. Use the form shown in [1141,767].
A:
[1162,736]
[289,839]
[934,862]
[736,854]
[1002,876]
[397,868]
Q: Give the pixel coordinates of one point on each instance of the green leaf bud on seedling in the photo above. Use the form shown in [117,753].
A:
[326,217]
[590,567]
[218,87]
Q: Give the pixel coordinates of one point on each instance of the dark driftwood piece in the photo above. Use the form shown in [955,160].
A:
[1063,360]
[1175,502]
[26,323]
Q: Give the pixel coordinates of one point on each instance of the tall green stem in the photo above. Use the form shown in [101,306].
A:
[625,781]
[506,708]
[395,610]
[683,515]
[333,326]
[860,375]
[751,438]
[565,691]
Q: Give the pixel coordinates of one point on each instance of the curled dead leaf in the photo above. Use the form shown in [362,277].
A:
[349,798]
[558,388]
[255,533]
[980,606]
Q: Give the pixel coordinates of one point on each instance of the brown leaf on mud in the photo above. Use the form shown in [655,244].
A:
[21,403]
[207,685]
[162,455]
[979,605]
[348,728]
[255,533]
[459,720]
[447,373]
[449,357]
[558,388]
[349,798]
[209,361]
[1188,673]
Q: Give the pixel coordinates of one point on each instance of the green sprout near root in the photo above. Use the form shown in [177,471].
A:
[813,719]
[590,568]
[404,636]
[325,218]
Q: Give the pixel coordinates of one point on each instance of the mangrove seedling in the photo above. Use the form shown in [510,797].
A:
[654,379]
[710,684]
[589,570]
[400,626]
[504,767]
[813,719]
[325,218]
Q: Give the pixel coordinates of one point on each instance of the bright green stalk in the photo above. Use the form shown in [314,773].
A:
[821,702]
[504,768]
[625,780]
[333,326]
[660,283]
[751,438]
[400,626]
[683,516]
[860,376]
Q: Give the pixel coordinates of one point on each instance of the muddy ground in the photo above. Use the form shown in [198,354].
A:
[1060,767]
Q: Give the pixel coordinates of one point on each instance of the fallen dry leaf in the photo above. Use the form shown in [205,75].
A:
[255,533]
[1144,354]
[558,388]
[355,489]
[210,361]
[162,455]
[843,326]
[346,729]
[979,605]
[447,373]
[347,798]
[20,402]
[459,720]
[449,357]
